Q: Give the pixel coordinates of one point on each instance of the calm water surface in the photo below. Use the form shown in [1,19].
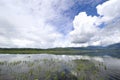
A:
[22,63]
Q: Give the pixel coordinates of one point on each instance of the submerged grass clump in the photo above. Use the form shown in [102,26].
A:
[49,69]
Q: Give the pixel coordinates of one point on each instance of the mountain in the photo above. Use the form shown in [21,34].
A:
[114,46]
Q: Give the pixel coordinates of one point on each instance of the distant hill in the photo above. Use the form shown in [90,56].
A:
[114,46]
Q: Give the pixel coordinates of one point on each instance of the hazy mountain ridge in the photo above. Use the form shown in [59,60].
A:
[113,46]
[111,50]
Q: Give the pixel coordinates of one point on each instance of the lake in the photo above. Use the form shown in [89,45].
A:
[58,67]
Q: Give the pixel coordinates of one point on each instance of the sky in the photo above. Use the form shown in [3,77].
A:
[59,23]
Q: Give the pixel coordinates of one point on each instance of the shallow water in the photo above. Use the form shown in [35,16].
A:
[17,57]
[31,63]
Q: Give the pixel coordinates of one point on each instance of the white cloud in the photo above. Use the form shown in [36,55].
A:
[109,35]
[84,28]
[24,23]
[109,10]
[28,23]
[87,30]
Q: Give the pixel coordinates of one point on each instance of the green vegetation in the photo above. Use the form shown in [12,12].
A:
[63,51]
[86,70]
[39,51]
[49,70]
[55,51]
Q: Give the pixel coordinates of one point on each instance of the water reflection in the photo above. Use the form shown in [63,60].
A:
[15,57]
[58,67]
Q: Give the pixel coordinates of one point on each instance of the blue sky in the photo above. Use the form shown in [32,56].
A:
[59,23]
[88,6]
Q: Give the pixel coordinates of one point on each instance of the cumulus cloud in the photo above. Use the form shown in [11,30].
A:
[29,23]
[84,28]
[42,23]
[109,10]
[87,28]
[109,35]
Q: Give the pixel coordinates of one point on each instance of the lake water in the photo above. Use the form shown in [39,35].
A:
[58,67]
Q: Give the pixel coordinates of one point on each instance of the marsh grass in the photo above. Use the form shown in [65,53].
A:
[49,69]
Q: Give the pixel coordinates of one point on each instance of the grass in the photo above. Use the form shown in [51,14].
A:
[39,51]
[63,51]
[57,70]
[85,69]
